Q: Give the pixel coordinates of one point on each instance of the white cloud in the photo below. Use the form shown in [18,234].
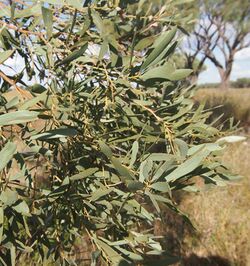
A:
[241,69]
[243,54]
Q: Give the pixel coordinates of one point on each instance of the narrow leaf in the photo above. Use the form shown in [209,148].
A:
[18,117]
[161,186]
[188,166]
[5,55]
[56,133]
[48,20]
[161,42]
[22,208]
[73,55]
[1,223]
[6,154]
[135,149]
[166,72]
[84,174]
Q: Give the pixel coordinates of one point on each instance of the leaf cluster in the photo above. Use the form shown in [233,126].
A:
[100,105]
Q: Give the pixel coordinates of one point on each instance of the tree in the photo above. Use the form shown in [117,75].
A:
[221,31]
[108,117]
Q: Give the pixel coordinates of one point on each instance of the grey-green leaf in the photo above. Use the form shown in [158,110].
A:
[6,154]
[180,74]
[22,208]
[162,72]
[133,186]
[48,20]
[105,149]
[18,117]
[188,166]
[161,186]
[73,55]
[161,44]
[135,149]
[84,174]
[5,55]
[122,170]
[167,72]
[56,133]
[1,223]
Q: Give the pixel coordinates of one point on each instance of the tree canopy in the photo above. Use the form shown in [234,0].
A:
[221,31]
[110,119]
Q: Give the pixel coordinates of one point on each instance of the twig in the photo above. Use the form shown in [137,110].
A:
[23,92]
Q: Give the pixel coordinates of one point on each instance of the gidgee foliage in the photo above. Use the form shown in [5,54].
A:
[110,119]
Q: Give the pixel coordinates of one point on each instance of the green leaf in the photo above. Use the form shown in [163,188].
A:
[164,167]
[48,20]
[30,103]
[34,10]
[180,74]
[122,170]
[160,157]
[166,52]
[162,72]
[133,186]
[145,168]
[162,187]
[105,149]
[100,193]
[75,3]
[18,117]
[37,88]
[113,256]
[84,174]
[1,223]
[6,154]
[5,12]
[135,149]
[160,45]
[182,147]
[98,21]
[13,102]
[144,43]
[166,72]
[104,49]
[131,255]
[73,56]
[5,55]
[22,208]
[152,198]
[188,166]
[8,197]
[56,133]
[13,255]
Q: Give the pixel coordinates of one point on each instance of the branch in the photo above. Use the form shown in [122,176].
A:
[26,32]
[22,92]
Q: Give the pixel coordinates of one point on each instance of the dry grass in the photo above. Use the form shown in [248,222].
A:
[236,103]
[222,217]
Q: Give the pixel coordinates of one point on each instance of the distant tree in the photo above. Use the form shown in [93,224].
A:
[182,59]
[223,28]
[241,83]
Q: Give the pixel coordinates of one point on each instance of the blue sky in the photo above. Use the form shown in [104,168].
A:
[241,68]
